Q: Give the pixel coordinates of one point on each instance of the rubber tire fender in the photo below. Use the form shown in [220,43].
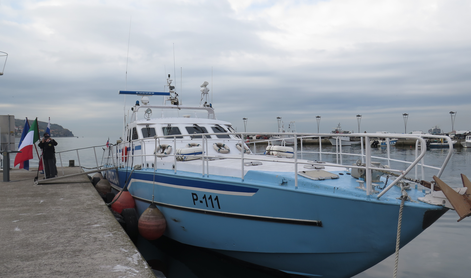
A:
[131,219]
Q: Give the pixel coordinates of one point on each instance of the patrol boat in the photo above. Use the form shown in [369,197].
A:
[324,217]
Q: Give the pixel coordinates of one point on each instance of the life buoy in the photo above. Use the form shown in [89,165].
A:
[221,148]
[191,145]
[163,150]
[246,149]
[124,157]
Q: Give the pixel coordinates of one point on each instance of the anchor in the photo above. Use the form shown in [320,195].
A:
[461,202]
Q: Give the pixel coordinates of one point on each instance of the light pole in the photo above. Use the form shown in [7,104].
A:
[359,121]
[318,119]
[280,124]
[453,116]
[405,116]
[245,124]
[3,54]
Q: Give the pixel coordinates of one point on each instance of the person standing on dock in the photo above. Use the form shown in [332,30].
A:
[49,155]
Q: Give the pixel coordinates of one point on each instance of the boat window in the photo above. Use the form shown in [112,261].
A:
[230,128]
[171,130]
[148,132]
[134,134]
[220,129]
[196,129]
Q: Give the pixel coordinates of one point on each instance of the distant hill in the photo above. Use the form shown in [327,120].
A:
[56,130]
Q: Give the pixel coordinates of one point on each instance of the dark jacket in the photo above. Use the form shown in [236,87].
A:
[48,148]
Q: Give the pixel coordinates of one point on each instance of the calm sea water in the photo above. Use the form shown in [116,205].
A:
[440,251]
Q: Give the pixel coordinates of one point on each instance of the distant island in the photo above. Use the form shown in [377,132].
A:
[56,130]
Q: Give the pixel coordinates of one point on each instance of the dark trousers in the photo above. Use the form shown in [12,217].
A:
[50,165]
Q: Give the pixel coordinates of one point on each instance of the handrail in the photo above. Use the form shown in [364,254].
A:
[366,154]
[422,154]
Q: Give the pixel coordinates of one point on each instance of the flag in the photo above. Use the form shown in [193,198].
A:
[26,146]
[24,164]
[108,143]
[48,128]
[40,168]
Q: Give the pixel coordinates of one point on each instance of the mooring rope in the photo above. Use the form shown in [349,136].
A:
[399,225]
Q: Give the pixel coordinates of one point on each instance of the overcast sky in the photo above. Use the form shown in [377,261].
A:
[264,59]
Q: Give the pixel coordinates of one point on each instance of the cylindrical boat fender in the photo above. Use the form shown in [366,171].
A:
[122,200]
[103,186]
[152,223]
[280,151]
[282,154]
[96,178]
[221,148]
[98,175]
[189,153]
[131,221]
[109,197]
[163,150]
[246,148]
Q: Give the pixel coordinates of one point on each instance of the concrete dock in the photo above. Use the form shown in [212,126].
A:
[62,229]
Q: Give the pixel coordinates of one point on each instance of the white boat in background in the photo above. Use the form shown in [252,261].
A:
[342,139]
[439,143]
[467,142]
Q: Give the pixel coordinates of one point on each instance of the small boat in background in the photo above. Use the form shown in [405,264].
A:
[383,142]
[467,142]
[439,143]
[342,140]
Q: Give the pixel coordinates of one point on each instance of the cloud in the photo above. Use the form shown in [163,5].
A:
[263,59]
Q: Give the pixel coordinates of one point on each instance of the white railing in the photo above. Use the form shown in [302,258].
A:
[86,157]
[363,152]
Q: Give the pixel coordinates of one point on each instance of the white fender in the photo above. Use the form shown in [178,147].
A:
[221,148]
[163,150]
[246,149]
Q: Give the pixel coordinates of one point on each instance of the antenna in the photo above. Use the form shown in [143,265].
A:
[212,92]
[126,80]
[174,74]
[127,54]
[181,82]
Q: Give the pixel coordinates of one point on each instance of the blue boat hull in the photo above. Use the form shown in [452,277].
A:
[315,234]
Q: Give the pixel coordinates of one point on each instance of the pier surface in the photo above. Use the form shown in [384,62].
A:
[62,229]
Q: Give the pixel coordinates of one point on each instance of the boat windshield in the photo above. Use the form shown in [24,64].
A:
[148,132]
[195,129]
[171,130]
[220,129]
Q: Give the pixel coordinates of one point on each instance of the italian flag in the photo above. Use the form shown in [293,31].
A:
[26,147]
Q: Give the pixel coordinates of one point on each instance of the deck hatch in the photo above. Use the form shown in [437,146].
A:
[318,175]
